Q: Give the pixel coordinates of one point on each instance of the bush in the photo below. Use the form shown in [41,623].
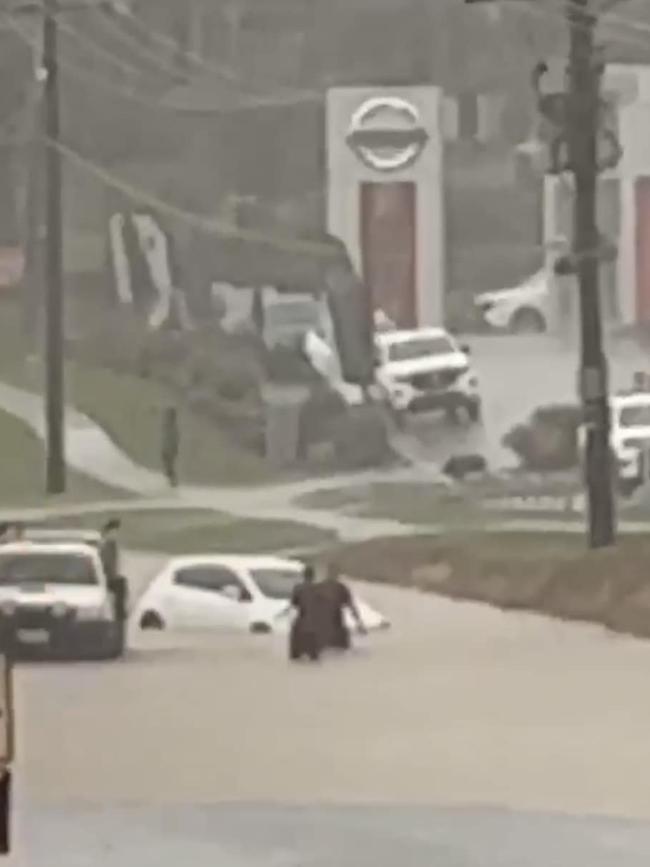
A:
[549,441]
[284,365]
[361,439]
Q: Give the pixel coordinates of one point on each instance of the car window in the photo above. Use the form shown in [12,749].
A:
[210,578]
[635,416]
[46,568]
[420,347]
[276,583]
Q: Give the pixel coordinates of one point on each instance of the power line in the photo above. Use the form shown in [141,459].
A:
[219,70]
[630,40]
[198,221]
[87,77]
[99,50]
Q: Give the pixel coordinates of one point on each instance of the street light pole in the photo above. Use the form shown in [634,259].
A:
[584,109]
[54,341]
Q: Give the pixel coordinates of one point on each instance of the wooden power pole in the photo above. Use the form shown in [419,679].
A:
[54,341]
[579,131]
[583,133]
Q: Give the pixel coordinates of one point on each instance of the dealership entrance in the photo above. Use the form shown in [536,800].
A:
[385,199]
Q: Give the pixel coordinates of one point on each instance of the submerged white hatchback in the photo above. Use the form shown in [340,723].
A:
[242,593]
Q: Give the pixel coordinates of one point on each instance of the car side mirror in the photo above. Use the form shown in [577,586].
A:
[466,348]
[236,594]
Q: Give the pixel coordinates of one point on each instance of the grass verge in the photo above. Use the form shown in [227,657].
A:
[551,573]
[22,472]
[177,531]
[129,409]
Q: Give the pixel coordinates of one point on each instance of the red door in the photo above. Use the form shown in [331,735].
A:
[643,250]
[388,244]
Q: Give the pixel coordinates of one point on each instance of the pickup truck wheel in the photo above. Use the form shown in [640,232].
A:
[117,643]
[151,620]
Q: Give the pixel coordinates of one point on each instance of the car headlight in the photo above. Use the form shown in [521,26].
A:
[59,609]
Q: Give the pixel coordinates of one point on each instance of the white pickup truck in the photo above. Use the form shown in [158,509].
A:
[56,600]
[629,436]
[425,370]
[418,370]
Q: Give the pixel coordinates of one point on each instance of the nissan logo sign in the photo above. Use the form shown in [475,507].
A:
[386,133]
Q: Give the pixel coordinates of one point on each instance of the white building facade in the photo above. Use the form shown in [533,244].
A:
[385,195]
[624,201]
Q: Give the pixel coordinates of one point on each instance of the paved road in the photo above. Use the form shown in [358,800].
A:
[258,836]
[518,374]
[460,706]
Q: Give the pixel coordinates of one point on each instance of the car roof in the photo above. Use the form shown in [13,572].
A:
[637,398]
[234,561]
[399,336]
[28,547]
[61,534]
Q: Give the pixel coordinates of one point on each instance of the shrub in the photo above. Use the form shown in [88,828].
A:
[549,440]
[361,439]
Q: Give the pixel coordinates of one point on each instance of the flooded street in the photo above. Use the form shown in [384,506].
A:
[199,745]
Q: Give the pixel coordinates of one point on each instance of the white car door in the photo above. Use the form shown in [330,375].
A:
[210,596]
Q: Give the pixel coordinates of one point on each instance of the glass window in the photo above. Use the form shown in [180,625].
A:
[276,583]
[635,416]
[211,578]
[420,347]
[46,568]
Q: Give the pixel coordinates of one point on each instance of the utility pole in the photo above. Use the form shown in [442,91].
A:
[53,254]
[583,131]
[54,342]
[578,132]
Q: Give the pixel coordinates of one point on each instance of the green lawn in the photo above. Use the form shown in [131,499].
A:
[415,503]
[129,409]
[177,531]
[428,503]
[22,471]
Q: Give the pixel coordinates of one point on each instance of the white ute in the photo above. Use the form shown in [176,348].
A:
[425,369]
[218,592]
[629,435]
[55,599]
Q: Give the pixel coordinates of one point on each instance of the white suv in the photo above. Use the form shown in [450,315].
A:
[629,436]
[523,309]
[630,433]
[425,370]
[55,599]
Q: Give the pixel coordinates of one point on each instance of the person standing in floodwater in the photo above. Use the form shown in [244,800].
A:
[337,600]
[170,445]
[305,635]
[109,547]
